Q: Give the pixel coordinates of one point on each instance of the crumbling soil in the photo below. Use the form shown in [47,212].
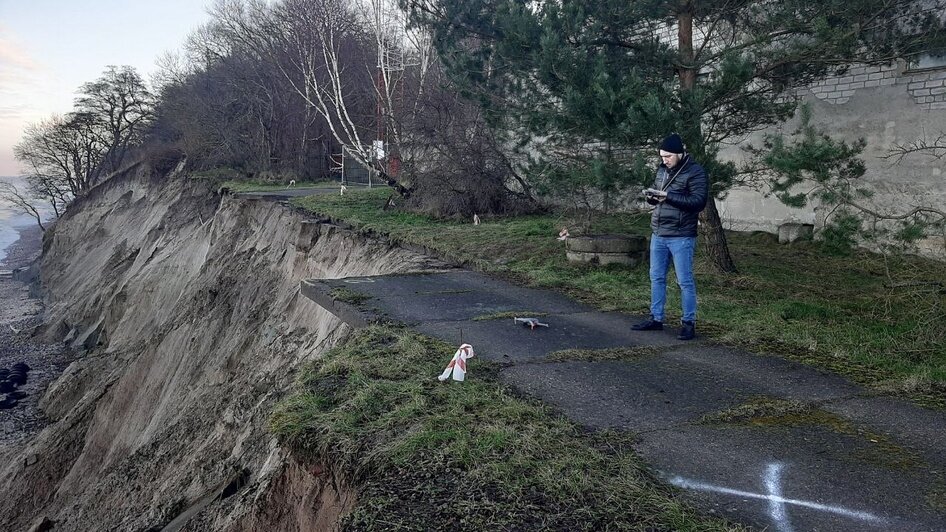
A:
[184,311]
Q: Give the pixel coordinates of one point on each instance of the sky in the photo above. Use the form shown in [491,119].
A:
[48,48]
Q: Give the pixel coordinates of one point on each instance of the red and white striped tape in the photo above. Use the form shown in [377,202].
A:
[457,364]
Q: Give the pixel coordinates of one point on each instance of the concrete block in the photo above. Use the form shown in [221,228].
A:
[607,244]
[843,87]
[858,85]
[938,106]
[847,94]
[916,85]
[793,231]
[862,77]
[875,83]
[932,84]
[876,75]
[938,90]
[921,92]
[839,101]
[846,79]
[834,95]
[603,259]
[855,70]
[888,81]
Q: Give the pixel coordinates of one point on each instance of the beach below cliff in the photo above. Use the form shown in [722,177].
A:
[20,314]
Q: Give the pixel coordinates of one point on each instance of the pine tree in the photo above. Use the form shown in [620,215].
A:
[624,73]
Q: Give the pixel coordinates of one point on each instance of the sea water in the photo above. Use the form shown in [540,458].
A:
[12,218]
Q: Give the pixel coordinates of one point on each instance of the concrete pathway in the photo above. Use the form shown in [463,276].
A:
[819,453]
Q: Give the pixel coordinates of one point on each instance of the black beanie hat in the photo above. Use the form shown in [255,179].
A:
[673,144]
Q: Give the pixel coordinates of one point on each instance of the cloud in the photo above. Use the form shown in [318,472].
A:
[12,55]
[18,70]
[8,112]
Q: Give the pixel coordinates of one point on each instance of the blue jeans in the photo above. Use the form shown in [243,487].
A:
[662,250]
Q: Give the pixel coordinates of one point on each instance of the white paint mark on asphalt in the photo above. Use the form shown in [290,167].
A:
[777,507]
[774,496]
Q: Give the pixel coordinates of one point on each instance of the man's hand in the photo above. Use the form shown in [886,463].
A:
[656,194]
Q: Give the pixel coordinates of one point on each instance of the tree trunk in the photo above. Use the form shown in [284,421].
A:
[711,228]
[714,238]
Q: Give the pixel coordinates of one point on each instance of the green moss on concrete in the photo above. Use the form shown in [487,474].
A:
[598,355]
[347,295]
[870,447]
[509,315]
[760,410]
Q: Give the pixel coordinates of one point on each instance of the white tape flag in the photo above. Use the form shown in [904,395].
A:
[457,364]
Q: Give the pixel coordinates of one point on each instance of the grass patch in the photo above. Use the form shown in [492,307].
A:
[507,315]
[762,410]
[443,292]
[347,295]
[597,355]
[251,185]
[467,456]
[872,318]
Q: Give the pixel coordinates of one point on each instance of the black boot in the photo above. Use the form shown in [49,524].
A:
[688,331]
[649,325]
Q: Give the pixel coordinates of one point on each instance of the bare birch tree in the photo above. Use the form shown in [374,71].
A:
[344,59]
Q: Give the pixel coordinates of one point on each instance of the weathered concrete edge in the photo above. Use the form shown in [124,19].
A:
[320,293]
[384,238]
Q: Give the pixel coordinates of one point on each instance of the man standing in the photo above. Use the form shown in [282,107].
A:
[680,192]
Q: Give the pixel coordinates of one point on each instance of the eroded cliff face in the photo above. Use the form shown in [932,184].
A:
[189,306]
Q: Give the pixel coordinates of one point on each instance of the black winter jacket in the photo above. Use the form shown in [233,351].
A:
[687,192]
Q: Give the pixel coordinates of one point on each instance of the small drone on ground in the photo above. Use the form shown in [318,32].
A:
[531,323]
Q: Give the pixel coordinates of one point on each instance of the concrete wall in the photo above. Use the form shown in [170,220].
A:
[887,106]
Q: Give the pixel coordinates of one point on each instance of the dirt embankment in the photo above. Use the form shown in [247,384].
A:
[187,304]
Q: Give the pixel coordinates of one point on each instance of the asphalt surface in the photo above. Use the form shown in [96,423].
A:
[835,457]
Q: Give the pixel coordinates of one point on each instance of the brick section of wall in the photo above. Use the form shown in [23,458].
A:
[928,88]
[839,89]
